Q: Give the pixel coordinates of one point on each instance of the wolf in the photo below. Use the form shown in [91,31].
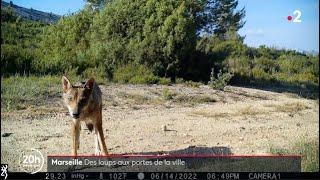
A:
[84,103]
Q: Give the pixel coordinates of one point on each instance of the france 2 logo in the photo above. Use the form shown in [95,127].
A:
[296,17]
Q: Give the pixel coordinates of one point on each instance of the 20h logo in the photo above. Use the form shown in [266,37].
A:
[31,161]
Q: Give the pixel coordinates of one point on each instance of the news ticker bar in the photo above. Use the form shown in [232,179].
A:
[164,175]
[174,164]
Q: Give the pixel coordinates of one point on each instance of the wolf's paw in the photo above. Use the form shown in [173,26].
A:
[97,153]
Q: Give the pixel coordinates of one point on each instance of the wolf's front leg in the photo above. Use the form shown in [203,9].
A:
[75,127]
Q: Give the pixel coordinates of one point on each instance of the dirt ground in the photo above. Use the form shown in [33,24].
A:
[159,118]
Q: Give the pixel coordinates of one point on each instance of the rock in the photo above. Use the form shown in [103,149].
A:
[165,128]
[6,134]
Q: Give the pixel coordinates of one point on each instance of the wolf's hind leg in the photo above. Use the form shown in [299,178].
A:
[102,140]
[96,138]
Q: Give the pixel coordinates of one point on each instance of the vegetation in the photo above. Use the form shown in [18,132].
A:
[167,94]
[151,42]
[220,81]
[21,92]
[309,150]
[134,74]
[19,42]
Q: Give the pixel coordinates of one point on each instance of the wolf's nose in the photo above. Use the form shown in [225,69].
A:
[75,115]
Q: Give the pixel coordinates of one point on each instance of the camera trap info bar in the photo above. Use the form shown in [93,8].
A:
[174,163]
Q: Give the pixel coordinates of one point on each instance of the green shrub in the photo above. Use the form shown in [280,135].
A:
[19,92]
[198,99]
[221,81]
[259,73]
[309,151]
[71,74]
[164,81]
[179,80]
[144,79]
[134,74]
[269,66]
[167,94]
[239,65]
[98,73]
[192,84]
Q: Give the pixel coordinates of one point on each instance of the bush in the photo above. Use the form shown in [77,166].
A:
[259,73]
[64,45]
[19,92]
[134,74]
[97,73]
[164,81]
[239,65]
[15,59]
[269,66]
[167,95]
[309,149]
[192,84]
[221,81]
[179,80]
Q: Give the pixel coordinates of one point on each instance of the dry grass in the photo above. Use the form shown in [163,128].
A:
[246,111]
[192,84]
[209,115]
[168,94]
[309,149]
[198,99]
[290,107]
[246,94]
[175,97]
[20,92]
[249,111]
[139,99]
[252,111]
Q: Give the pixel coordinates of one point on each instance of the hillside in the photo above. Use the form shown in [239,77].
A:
[32,14]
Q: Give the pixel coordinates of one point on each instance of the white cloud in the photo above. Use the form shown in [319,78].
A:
[254,32]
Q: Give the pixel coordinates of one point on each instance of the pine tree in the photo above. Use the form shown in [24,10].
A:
[223,17]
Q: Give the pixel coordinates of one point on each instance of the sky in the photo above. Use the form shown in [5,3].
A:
[266,21]
[60,7]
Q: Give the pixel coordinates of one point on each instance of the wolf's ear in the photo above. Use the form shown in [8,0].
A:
[65,84]
[89,84]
